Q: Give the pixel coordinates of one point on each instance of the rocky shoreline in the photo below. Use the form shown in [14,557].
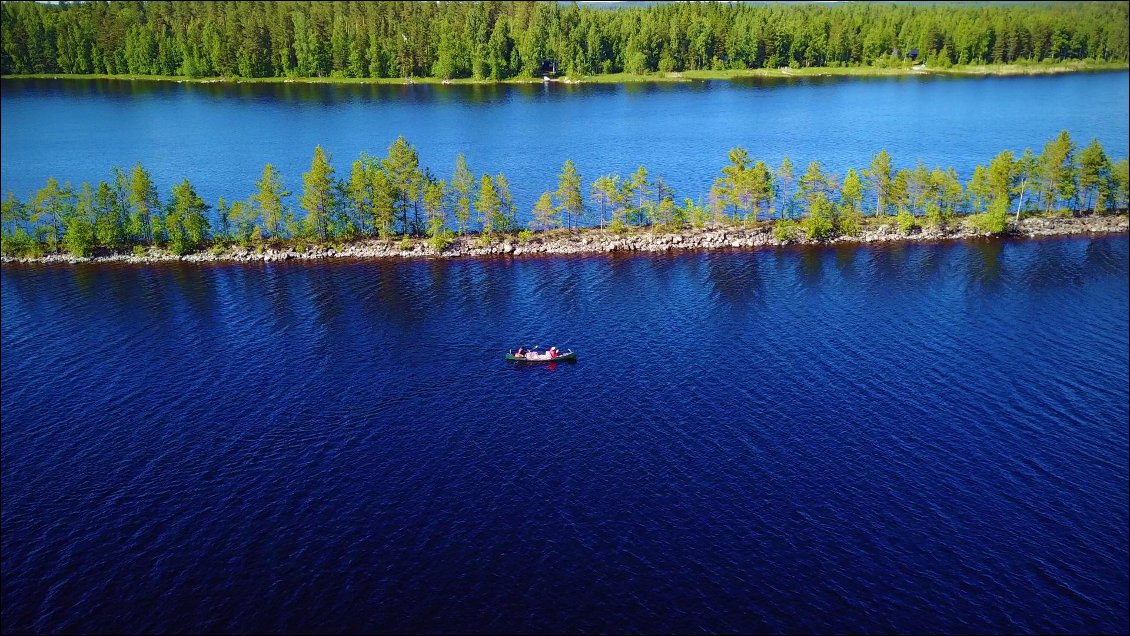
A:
[597,241]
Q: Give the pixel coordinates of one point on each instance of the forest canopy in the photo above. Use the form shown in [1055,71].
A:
[501,40]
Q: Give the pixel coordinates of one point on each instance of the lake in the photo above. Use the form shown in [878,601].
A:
[903,438]
[219,136]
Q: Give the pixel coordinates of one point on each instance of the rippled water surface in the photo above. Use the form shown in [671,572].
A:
[219,136]
[911,438]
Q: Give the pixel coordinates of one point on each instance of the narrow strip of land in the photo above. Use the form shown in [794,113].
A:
[581,241]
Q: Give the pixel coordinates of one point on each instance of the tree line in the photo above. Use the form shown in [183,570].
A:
[395,197]
[500,40]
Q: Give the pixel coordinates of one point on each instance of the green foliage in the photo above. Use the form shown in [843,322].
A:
[546,216]
[851,195]
[1095,180]
[850,220]
[879,175]
[905,220]
[606,191]
[504,218]
[319,197]
[784,230]
[784,180]
[52,204]
[821,221]
[1120,177]
[979,189]
[405,180]
[524,236]
[500,40]
[78,236]
[268,201]
[461,183]
[185,224]
[698,216]
[935,215]
[1002,176]
[385,197]
[20,244]
[144,203]
[994,221]
[665,214]
[637,190]
[1055,175]
[568,194]
[943,59]
[488,204]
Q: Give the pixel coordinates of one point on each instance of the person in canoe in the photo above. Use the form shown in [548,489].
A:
[521,353]
[553,352]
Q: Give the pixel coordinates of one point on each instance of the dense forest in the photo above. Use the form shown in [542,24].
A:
[394,196]
[499,40]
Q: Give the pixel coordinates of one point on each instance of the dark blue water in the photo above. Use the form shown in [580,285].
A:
[899,439]
[220,136]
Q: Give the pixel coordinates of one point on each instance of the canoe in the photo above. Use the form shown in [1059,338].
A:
[564,357]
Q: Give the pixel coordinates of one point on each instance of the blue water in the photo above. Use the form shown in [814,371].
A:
[220,136]
[921,438]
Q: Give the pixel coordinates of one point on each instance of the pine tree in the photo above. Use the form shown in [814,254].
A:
[606,190]
[784,186]
[879,175]
[403,169]
[461,183]
[488,205]
[144,201]
[268,201]
[546,215]
[318,195]
[569,192]
[1057,170]
[1094,172]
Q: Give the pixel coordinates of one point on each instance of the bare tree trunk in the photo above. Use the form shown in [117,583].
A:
[1020,203]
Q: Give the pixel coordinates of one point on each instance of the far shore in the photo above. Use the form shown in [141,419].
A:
[978,70]
[591,241]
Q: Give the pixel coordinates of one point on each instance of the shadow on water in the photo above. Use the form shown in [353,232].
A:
[1103,257]
[985,267]
[87,281]
[326,298]
[1054,264]
[439,278]
[845,260]
[399,298]
[327,94]
[736,281]
[833,80]
[196,286]
[888,266]
[276,288]
[810,267]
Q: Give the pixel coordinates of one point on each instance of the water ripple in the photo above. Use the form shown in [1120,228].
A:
[911,438]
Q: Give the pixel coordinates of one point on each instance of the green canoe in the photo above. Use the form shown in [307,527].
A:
[562,357]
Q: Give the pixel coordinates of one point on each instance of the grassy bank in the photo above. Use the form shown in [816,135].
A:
[630,78]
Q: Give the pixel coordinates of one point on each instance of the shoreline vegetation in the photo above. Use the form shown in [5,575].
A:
[394,206]
[973,70]
[595,241]
[523,42]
